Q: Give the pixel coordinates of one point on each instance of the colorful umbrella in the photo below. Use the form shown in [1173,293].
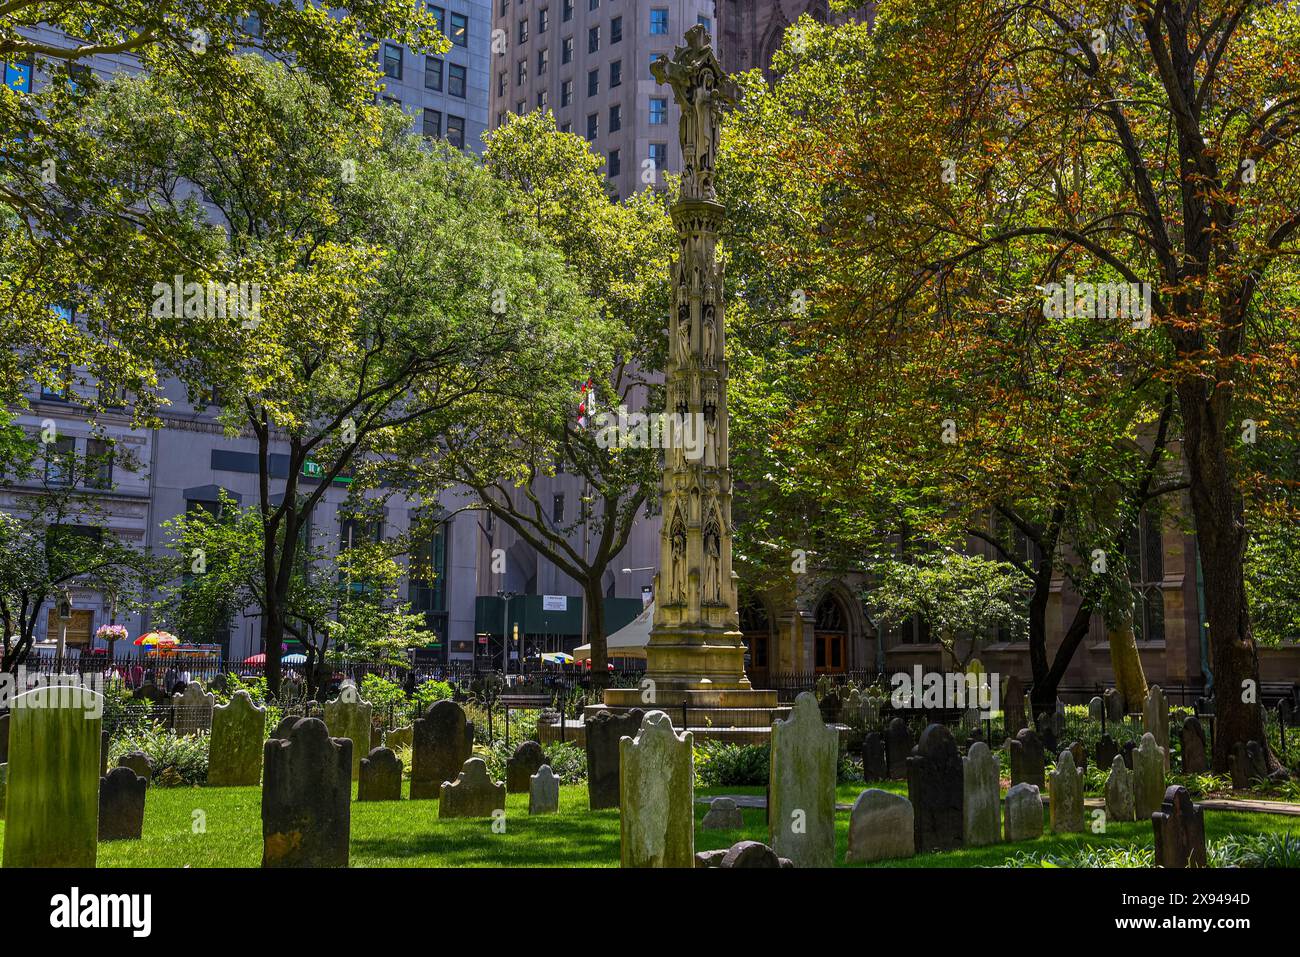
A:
[557,658]
[294,659]
[157,639]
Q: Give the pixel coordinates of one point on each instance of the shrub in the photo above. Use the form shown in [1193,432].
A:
[568,761]
[177,759]
[718,764]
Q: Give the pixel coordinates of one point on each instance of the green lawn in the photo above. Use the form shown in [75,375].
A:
[409,834]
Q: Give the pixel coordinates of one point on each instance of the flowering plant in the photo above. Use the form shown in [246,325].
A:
[111,632]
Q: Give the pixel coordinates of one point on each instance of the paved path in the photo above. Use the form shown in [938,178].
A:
[758,802]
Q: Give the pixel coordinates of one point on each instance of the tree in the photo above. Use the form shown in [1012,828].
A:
[1154,152]
[617,253]
[379,259]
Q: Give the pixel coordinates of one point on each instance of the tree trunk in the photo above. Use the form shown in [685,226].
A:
[594,609]
[272,637]
[1221,542]
[1041,697]
[1125,662]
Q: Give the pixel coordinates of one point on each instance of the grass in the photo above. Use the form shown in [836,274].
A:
[409,833]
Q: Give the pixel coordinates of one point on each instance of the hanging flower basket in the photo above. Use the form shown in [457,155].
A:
[111,633]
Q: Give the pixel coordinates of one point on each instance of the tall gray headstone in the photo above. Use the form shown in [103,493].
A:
[443,742]
[235,748]
[981,797]
[1027,762]
[898,746]
[349,716]
[934,786]
[1192,744]
[657,784]
[1148,777]
[875,765]
[1119,792]
[881,827]
[544,792]
[1024,813]
[192,709]
[1155,721]
[801,785]
[1066,796]
[604,732]
[306,798]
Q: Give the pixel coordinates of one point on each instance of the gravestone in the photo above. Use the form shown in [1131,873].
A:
[398,738]
[306,797]
[1013,704]
[898,745]
[604,732]
[881,827]
[723,815]
[1080,755]
[1024,813]
[4,788]
[520,768]
[192,709]
[1047,732]
[657,794]
[934,786]
[544,792]
[1114,705]
[981,797]
[1105,752]
[745,855]
[473,793]
[1119,792]
[1155,721]
[875,764]
[284,726]
[349,716]
[1065,805]
[52,808]
[1027,758]
[871,708]
[1248,765]
[121,805]
[4,738]
[1096,708]
[1126,752]
[141,764]
[442,741]
[1179,831]
[380,776]
[801,786]
[1148,777]
[1191,738]
[235,748]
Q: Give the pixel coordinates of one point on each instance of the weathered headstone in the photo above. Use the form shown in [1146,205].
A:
[1119,792]
[544,792]
[192,709]
[1126,752]
[898,745]
[723,815]
[397,738]
[657,785]
[1066,796]
[801,786]
[1248,765]
[1155,721]
[520,768]
[1027,758]
[52,809]
[604,731]
[141,764]
[1013,704]
[1024,813]
[934,786]
[981,797]
[1191,738]
[875,764]
[443,741]
[1148,777]
[473,793]
[349,716]
[745,855]
[1096,708]
[881,826]
[1080,755]
[306,797]
[1114,705]
[380,777]
[1105,752]
[1179,831]
[121,805]
[284,726]
[235,749]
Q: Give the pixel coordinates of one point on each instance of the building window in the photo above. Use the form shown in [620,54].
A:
[658,110]
[706,22]
[99,464]
[432,124]
[566,93]
[456,80]
[593,4]
[392,61]
[521,72]
[557,508]
[392,101]
[568,11]
[593,82]
[523,30]
[616,74]
[251,24]
[543,19]
[505,7]
[615,165]
[650,70]
[615,118]
[433,73]
[566,127]
[427,575]
[18,76]
[543,61]
[503,83]
[440,18]
[60,460]
[456,131]
[541,100]
[460,29]
[566,50]
[519,108]
[593,39]
[1146,569]
[659,21]
[659,156]
[616,30]
[593,125]
[501,117]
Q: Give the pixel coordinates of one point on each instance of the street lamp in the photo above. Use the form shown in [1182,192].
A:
[65,616]
[505,596]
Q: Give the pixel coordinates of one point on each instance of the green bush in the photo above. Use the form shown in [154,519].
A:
[177,759]
[718,764]
[568,761]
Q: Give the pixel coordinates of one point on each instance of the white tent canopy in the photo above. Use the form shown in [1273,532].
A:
[628,642]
